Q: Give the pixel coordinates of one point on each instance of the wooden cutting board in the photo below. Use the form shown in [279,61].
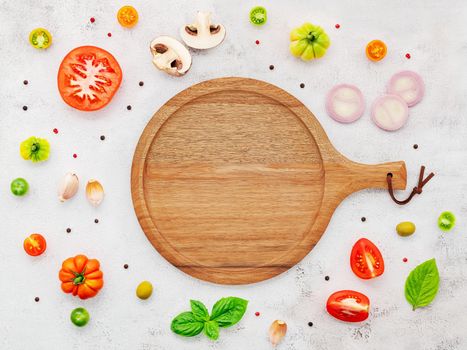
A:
[234,180]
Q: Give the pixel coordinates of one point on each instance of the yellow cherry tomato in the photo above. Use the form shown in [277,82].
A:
[144,290]
[127,16]
[376,50]
[40,38]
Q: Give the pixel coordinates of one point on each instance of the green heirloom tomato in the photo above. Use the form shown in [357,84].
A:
[79,317]
[309,42]
[19,187]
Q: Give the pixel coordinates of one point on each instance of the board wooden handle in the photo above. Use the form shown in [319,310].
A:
[374,176]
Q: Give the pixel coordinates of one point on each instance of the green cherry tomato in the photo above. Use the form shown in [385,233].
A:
[446,221]
[40,38]
[19,186]
[309,42]
[258,15]
[79,317]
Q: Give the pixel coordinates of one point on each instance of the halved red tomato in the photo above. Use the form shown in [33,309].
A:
[348,305]
[366,259]
[88,78]
[35,244]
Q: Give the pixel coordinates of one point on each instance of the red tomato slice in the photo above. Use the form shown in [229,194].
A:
[35,244]
[88,78]
[366,259]
[348,305]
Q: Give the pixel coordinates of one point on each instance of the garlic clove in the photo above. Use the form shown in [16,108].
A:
[277,331]
[94,192]
[68,187]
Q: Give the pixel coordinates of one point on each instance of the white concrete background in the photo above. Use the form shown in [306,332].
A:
[434,33]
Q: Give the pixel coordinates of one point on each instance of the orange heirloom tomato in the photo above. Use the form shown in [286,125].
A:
[376,50]
[127,16]
[81,276]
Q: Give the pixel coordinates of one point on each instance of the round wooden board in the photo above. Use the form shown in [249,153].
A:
[234,180]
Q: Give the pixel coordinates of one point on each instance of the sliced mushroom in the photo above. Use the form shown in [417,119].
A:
[203,34]
[170,55]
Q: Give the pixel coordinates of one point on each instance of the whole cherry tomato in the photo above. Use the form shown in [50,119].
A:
[35,244]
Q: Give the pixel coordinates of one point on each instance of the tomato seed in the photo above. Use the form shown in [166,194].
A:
[92,20]
[310,324]
[75,155]
[337,26]
[25,82]
[25,108]
[36,299]
[257,42]
[109,34]
[407,55]
[55,130]
[257,313]
[125,266]
[68,230]
[404,260]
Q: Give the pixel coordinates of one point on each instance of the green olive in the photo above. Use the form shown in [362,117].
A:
[405,228]
[144,290]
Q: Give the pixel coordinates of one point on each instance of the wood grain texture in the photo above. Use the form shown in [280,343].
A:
[234,180]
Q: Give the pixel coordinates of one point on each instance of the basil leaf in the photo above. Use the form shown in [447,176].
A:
[228,311]
[422,284]
[186,325]
[199,310]
[211,329]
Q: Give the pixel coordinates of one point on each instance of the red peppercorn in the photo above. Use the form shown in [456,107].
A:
[337,26]
[257,313]
[109,34]
[55,131]
[75,155]
[404,260]
[92,19]
[257,42]
[407,55]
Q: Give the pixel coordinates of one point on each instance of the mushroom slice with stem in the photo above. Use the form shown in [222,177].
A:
[203,34]
[170,56]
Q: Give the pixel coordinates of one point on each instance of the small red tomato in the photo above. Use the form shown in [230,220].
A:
[348,305]
[366,260]
[35,244]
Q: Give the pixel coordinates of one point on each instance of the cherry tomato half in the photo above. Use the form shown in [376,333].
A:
[19,186]
[366,260]
[40,38]
[376,50]
[348,305]
[88,78]
[127,16]
[35,244]
[79,317]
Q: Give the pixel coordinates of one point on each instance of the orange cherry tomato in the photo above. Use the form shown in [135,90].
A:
[127,16]
[376,50]
[81,276]
[35,244]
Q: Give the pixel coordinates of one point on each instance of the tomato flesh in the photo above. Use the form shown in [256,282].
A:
[88,78]
[348,306]
[366,260]
[35,244]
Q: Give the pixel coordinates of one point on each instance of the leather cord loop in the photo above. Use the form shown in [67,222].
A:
[416,190]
